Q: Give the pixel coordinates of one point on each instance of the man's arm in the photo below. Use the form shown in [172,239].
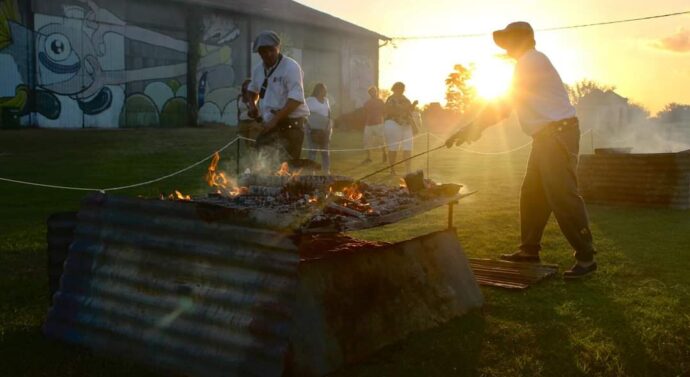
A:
[283,113]
[253,94]
[253,110]
[492,114]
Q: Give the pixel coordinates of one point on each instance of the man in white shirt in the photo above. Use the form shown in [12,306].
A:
[278,84]
[550,184]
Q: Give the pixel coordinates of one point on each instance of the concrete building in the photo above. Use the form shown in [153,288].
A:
[606,115]
[128,63]
[604,111]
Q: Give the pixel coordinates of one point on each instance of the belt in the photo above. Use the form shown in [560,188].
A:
[290,123]
[558,126]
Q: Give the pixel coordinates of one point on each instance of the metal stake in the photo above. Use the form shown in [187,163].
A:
[451,205]
[428,171]
[237,163]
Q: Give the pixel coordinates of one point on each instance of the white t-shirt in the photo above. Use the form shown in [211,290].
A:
[317,107]
[285,83]
[538,93]
[319,117]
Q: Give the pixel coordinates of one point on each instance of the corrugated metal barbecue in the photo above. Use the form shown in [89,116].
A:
[256,278]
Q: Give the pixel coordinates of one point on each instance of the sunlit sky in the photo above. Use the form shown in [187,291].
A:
[647,61]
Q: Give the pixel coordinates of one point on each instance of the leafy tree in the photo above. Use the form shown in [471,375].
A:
[674,112]
[583,87]
[637,112]
[459,94]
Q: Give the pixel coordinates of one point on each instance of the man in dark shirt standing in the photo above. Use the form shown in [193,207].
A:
[374,109]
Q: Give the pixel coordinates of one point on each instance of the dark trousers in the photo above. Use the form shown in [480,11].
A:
[321,139]
[286,138]
[550,185]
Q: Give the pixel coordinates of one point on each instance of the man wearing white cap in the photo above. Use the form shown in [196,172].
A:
[278,84]
[550,184]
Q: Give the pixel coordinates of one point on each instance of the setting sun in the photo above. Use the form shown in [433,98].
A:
[492,77]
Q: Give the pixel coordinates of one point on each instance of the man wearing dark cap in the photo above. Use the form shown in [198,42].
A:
[550,184]
[277,83]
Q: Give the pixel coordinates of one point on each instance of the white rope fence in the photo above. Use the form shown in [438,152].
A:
[226,146]
[235,140]
[349,149]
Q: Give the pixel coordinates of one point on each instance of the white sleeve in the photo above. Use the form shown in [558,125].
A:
[295,86]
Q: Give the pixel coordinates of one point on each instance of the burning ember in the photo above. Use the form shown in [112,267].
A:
[224,184]
[179,196]
[316,203]
[284,171]
[353,192]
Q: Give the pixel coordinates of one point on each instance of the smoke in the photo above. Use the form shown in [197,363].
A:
[645,136]
[266,160]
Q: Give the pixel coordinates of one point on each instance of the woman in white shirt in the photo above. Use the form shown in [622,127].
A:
[319,125]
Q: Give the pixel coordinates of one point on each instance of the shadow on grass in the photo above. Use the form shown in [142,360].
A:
[452,349]
[34,355]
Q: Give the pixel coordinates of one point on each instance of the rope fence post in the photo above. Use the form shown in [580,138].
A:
[428,155]
[237,162]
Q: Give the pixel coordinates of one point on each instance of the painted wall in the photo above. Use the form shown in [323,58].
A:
[108,63]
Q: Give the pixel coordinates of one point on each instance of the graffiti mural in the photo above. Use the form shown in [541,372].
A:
[16,76]
[219,86]
[93,69]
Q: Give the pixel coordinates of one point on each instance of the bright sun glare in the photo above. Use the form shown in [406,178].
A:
[492,77]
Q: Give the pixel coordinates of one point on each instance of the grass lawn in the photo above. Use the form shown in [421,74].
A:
[631,319]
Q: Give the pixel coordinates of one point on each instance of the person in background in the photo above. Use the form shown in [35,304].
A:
[319,125]
[398,125]
[247,126]
[550,184]
[374,110]
[277,82]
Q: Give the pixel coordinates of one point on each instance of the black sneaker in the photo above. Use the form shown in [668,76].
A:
[577,271]
[521,256]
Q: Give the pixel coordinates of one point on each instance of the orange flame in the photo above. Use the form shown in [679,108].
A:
[179,196]
[284,171]
[403,184]
[313,199]
[352,192]
[221,181]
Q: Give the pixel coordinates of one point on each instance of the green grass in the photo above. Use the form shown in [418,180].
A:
[631,319]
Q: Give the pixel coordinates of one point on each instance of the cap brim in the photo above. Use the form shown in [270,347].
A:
[502,38]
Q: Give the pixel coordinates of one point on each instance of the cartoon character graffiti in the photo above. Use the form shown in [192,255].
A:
[80,58]
[17,98]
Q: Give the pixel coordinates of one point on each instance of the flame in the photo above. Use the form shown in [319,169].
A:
[403,184]
[179,196]
[284,171]
[220,180]
[352,192]
[313,200]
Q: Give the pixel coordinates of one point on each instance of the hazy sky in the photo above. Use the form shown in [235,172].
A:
[648,61]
